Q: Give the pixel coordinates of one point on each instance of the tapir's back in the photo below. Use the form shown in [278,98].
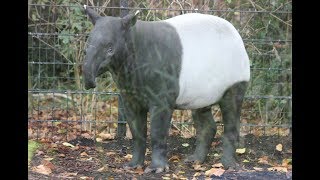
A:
[214,58]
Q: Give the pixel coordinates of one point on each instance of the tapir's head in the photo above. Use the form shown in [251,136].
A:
[106,43]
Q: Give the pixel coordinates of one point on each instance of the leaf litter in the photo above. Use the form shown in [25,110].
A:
[106,159]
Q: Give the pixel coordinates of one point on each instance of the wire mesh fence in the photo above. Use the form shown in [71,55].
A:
[60,108]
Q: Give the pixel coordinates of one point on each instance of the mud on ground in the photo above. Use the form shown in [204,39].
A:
[91,160]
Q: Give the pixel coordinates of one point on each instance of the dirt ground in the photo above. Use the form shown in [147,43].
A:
[92,160]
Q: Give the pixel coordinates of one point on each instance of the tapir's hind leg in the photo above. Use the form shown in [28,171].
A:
[230,105]
[206,129]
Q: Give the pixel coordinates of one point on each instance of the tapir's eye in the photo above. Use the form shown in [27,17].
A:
[109,49]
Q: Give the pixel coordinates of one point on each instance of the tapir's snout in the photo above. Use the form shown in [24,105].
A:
[88,76]
[89,84]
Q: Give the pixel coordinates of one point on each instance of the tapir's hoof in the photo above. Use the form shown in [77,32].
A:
[233,168]
[156,169]
[130,166]
[193,159]
[230,164]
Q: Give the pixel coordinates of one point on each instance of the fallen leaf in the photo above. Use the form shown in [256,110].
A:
[147,151]
[48,159]
[181,172]
[99,149]
[44,140]
[278,169]
[286,162]
[263,160]
[84,154]
[164,177]
[289,151]
[67,144]
[198,167]
[128,156]
[110,153]
[218,165]
[257,168]
[128,133]
[61,155]
[47,164]
[174,176]
[101,169]
[75,148]
[245,161]
[214,171]
[54,145]
[197,174]
[42,169]
[215,143]
[67,174]
[241,151]
[187,136]
[216,155]
[139,170]
[279,147]
[39,153]
[86,135]
[185,144]
[106,136]
[99,139]
[174,158]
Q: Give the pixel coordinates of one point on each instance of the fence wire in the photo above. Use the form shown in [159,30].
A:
[60,108]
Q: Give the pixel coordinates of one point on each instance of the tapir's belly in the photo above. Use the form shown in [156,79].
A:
[213,59]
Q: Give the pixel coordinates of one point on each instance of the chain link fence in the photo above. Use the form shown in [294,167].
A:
[60,109]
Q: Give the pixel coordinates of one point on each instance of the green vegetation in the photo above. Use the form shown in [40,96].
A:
[32,147]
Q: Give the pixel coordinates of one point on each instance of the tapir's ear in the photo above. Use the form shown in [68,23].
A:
[94,16]
[130,20]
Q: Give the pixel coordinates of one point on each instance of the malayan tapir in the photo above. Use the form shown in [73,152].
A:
[191,61]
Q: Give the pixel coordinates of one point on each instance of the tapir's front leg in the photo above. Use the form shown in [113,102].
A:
[160,124]
[137,120]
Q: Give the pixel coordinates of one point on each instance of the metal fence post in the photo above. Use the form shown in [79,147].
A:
[123,4]
[121,131]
